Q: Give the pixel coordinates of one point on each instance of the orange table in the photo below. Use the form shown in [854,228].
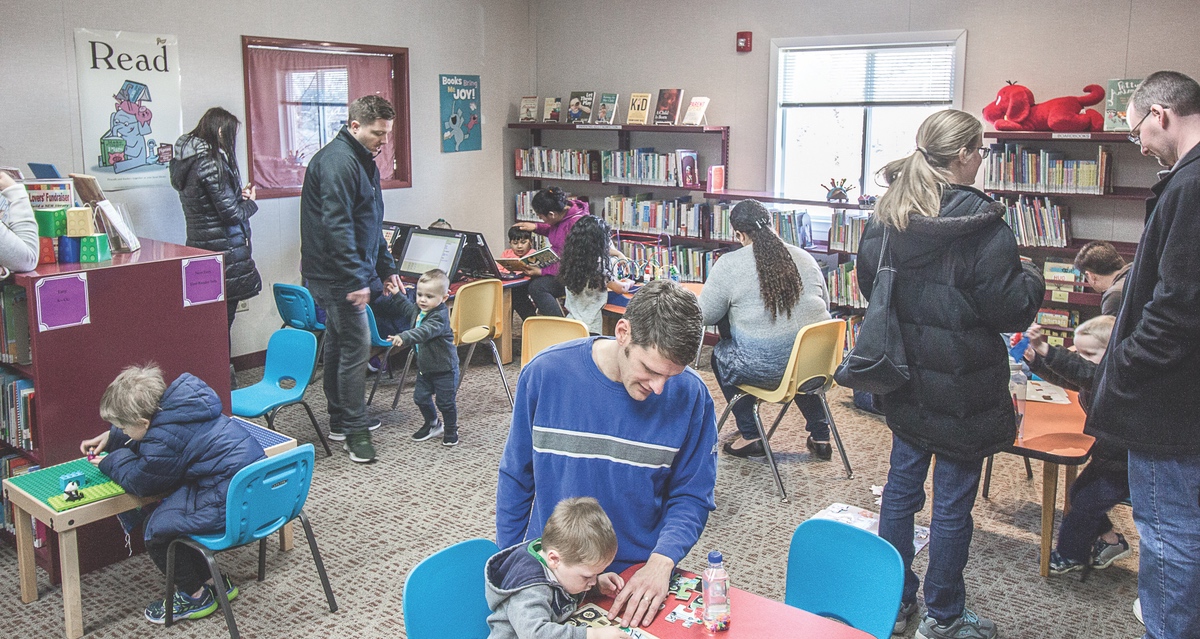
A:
[754,617]
[1054,434]
[613,312]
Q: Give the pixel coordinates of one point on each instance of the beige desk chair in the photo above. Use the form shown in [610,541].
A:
[539,332]
[474,318]
[816,354]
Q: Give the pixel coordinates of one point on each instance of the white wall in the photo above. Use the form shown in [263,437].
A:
[40,103]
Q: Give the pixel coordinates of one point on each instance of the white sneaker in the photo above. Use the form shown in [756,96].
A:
[1137,610]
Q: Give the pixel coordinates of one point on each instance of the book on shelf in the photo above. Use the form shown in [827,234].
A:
[639,108]
[1013,166]
[846,229]
[551,110]
[606,108]
[579,107]
[1116,103]
[666,110]
[642,213]
[695,112]
[716,178]
[528,109]
[1060,275]
[1057,317]
[640,166]
[541,258]
[1036,221]
[689,177]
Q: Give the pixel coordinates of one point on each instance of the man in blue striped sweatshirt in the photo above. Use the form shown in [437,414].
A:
[625,421]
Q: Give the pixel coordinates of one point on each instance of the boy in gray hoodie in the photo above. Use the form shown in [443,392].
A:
[532,588]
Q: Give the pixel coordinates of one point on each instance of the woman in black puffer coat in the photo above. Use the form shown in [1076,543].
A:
[217,209]
[959,284]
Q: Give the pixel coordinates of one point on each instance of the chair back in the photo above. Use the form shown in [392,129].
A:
[444,594]
[540,331]
[816,354]
[479,303]
[291,355]
[373,329]
[297,307]
[845,573]
[264,496]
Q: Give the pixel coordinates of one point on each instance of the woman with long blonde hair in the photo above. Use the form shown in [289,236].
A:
[959,284]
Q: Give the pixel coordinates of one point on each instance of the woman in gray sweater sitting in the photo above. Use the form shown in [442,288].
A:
[760,297]
[18,231]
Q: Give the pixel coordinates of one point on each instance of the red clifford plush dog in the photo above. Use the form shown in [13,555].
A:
[1015,110]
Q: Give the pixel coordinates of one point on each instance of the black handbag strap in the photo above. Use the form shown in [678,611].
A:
[885,256]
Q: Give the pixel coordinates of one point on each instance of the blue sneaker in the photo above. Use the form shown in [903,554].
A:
[183,606]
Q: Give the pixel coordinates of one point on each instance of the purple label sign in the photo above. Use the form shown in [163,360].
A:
[62,301]
[203,280]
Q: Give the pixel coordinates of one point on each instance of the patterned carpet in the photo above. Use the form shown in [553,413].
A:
[375,522]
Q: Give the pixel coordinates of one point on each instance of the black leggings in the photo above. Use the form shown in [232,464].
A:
[540,297]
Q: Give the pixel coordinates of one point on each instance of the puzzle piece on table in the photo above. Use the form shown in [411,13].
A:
[682,588]
[697,603]
[686,616]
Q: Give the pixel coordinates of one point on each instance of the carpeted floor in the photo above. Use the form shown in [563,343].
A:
[375,522]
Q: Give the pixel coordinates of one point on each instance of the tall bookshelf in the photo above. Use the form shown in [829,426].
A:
[1104,202]
[136,314]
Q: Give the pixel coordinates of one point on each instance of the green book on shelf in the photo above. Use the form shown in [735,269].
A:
[1116,103]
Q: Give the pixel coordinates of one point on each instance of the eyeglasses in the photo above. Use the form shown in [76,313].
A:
[1135,135]
[984,152]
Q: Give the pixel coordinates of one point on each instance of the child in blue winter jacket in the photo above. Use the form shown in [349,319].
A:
[174,439]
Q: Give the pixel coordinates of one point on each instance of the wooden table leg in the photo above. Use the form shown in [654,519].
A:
[1072,472]
[286,537]
[1049,501]
[505,341]
[26,566]
[68,552]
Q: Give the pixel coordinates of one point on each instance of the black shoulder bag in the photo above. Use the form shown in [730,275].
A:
[877,364]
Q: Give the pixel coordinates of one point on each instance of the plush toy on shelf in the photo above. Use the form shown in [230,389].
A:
[837,190]
[1014,110]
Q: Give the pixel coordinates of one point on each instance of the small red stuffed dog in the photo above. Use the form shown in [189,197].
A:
[1015,110]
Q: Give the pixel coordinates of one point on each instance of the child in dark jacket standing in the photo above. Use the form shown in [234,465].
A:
[437,358]
[173,439]
[533,587]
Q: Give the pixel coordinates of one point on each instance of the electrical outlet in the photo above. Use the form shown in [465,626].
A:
[243,306]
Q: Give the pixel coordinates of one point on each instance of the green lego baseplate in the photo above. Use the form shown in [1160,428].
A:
[44,485]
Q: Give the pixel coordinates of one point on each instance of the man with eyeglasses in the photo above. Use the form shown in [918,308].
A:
[1146,397]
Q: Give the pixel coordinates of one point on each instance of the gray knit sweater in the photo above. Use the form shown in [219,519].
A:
[18,233]
[758,348]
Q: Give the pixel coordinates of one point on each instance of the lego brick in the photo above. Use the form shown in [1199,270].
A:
[94,248]
[46,254]
[80,222]
[68,249]
[51,222]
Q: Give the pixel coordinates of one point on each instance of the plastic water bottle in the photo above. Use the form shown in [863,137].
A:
[716,594]
[1017,385]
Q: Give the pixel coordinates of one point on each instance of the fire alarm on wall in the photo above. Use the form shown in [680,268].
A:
[744,41]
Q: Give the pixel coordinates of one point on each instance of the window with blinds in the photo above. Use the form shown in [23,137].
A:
[842,112]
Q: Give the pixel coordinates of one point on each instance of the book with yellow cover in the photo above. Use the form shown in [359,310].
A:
[639,108]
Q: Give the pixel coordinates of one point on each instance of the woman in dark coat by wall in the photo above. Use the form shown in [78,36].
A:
[217,209]
[959,284]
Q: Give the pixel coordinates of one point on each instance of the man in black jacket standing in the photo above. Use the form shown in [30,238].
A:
[1146,398]
[341,247]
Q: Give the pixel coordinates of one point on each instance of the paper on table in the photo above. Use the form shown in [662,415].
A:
[1042,391]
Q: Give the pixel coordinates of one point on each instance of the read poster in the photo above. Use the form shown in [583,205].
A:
[460,113]
[129,105]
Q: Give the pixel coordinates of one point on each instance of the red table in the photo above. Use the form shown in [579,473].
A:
[754,617]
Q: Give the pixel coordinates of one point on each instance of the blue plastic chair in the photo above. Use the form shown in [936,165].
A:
[298,309]
[262,498]
[444,594]
[378,340]
[838,571]
[291,354]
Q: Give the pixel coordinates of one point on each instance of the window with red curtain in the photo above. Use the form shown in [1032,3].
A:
[297,94]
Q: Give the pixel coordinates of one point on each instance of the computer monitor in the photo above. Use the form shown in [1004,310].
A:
[44,171]
[477,259]
[427,249]
[396,234]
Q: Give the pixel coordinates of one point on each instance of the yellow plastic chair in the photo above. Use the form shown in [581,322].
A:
[539,332]
[815,356]
[475,317]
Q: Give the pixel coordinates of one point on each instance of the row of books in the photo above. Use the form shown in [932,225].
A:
[1055,337]
[1015,167]
[1060,275]
[842,282]
[642,214]
[14,325]
[846,229]
[693,264]
[559,164]
[14,465]
[16,409]
[794,226]
[641,166]
[645,167]
[853,322]
[1057,317]
[1037,221]
[583,107]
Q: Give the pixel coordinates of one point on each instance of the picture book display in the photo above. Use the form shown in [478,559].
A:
[540,258]
[695,112]
[1116,103]
[528,109]
[606,109]
[666,111]
[716,178]
[579,107]
[868,521]
[593,616]
[689,174]
[551,111]
[639,108]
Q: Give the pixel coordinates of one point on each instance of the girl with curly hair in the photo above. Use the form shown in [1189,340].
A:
[586,271]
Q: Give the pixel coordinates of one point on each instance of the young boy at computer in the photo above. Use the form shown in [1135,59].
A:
[174,439]
[532,588]
[520,243]
[437,358]
[1086,538]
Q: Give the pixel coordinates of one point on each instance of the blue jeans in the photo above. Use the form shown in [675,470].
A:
[1166,509]
[443,386]
[1102,485]
[347,348]
[743,412]
[955,484]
